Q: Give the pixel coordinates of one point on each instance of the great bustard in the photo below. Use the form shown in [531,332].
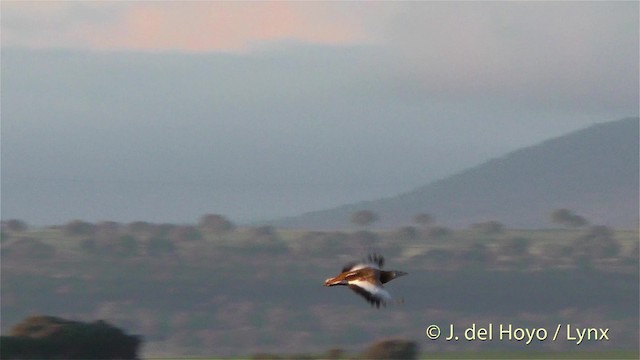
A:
[366,279]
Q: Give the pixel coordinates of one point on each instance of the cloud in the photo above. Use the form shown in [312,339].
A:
[160,26]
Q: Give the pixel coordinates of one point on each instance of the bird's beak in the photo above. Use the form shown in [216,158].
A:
[334,282]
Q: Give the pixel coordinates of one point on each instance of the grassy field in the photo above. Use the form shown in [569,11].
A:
[259,290]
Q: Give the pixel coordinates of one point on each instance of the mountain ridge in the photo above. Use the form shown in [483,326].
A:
[593,171]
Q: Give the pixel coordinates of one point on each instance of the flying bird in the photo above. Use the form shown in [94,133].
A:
[366,279]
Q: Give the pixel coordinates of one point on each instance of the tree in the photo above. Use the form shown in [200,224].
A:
[78,228]
[566,217]
[160,246]
[423,219]
[597,243]
[364,217]
[127,245]
[14,225]
[162,230]
[215,224]
[107,227]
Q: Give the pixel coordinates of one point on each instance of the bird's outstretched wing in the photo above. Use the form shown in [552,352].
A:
[374,294]
[373,260]
[376,259]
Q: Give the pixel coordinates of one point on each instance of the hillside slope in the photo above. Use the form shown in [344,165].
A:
[593,171]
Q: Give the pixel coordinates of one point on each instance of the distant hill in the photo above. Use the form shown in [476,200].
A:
[593,172]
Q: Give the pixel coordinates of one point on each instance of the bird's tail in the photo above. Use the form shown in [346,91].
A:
[398,274]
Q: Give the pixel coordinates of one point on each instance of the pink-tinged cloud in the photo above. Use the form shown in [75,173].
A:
[194,26]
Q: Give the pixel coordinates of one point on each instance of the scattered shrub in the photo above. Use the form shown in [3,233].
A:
[215,224]
[391,349]
[79,228]
[14,225]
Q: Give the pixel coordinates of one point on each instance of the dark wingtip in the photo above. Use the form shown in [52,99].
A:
[376,259]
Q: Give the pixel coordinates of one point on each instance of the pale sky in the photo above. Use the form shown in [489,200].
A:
[263,109]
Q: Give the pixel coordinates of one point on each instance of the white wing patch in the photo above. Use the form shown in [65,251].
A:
[376,291]
[357,267]
[365,265]
[373,266]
